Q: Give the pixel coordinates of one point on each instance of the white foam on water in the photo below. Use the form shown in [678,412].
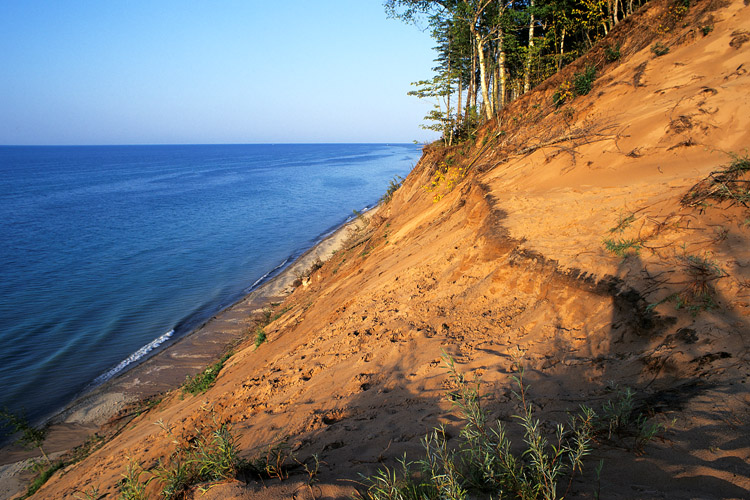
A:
[260,280]
[140,353]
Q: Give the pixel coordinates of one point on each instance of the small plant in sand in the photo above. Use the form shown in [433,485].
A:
[202,381]
[273,462]
[659,49]
[279,314]
[581,84]
[211,454]
[726,185]
[131,486]
[29,436]
[484,466]
[623,223]
[563,94]
[260,336]
[45,471]
[612,52]
[620,417]
[89,494]
[393,186]
[445,178]
[623,247]
[697,293]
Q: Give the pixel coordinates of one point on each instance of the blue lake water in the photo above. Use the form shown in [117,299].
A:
[107,250]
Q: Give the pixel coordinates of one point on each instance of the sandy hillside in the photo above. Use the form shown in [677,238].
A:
[503,262]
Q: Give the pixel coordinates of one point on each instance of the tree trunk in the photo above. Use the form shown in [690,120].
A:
[562,49]
[458,103]
[527,72]
[471,98]
[501,70]
[483,75]
[448,122]
[496,87]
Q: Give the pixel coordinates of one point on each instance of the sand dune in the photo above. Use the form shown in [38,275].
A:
[510,267]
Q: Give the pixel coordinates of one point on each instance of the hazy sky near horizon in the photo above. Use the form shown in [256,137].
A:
[181,72]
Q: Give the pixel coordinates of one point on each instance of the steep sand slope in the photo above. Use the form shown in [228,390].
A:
[509,266]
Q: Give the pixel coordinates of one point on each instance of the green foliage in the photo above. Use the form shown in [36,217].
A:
[46,471]
[620,417]
[273,462]
[623,247]
[30,436]
[131,487]
[722,185]
[202,381]
[623,223]
[393,186]
[706,29]
[90,494]
[582,82]
[697,293]
[484,461]
[33,437]
[210,455]
[176,475]
[612,52]
[659,49]
[521,44]
[563,94]
[279,314]
[260,336]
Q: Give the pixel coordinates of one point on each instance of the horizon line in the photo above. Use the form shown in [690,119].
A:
[414,142]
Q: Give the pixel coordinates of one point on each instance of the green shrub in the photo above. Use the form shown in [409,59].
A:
[484,461]
[580,85]
[582,82]
[393,186]
[659,49]
[202,381]
[260,336]
[623,247]
[211,455]
[30,436]
[620,417]
[612,52]
[131,487]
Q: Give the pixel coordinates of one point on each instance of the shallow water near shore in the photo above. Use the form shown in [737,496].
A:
[111,253]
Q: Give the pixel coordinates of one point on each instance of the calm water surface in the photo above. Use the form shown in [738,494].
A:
[108,252]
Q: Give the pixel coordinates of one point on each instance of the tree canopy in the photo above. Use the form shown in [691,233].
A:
[489,52]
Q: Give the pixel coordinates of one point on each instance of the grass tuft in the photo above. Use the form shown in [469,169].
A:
[484,461]
[131,487]
[659,49]
[210,455]
[623,247]
[727,184]
[260,336]
[393,186]
[201,382]
[612,52]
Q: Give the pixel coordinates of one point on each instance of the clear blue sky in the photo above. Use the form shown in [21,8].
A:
[210,71]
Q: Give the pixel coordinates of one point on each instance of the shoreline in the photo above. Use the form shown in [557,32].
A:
[167,369]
